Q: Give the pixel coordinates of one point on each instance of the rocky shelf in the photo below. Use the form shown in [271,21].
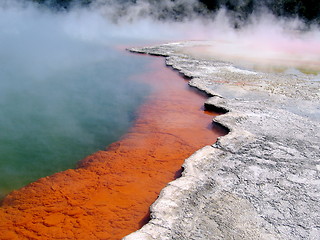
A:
[261,181]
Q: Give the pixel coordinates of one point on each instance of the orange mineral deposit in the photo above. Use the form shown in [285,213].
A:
[108,196]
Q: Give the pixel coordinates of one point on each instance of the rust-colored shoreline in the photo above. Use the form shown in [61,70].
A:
[109,195]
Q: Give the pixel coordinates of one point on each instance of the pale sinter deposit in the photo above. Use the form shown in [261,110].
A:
[261,181]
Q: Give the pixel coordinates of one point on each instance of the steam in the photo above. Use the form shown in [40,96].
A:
[266,42]
[264,38]
[263,41]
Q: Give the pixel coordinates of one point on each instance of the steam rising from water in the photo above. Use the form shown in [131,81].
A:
[265,42]
[63,85]
[264,38]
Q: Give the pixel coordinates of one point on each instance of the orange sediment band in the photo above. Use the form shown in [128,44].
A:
[109,195]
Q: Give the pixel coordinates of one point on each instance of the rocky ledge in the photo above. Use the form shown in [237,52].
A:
[261,181]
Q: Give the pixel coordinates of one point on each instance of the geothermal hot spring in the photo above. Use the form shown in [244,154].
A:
[67,87]
[104,130]
[71,96]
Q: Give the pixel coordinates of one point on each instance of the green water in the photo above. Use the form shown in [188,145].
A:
[65,91]
[51,120]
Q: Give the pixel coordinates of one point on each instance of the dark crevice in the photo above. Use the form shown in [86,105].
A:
[222,127]
[145,219]
[178,174]
[214,108]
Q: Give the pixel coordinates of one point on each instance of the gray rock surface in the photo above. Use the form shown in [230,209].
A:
[261,181]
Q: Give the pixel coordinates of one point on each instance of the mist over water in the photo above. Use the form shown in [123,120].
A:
[66,91]
[265,43]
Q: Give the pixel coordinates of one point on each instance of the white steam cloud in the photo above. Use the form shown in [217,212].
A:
[264,39]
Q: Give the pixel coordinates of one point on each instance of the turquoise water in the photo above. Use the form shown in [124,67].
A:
[63,96]
[48,124]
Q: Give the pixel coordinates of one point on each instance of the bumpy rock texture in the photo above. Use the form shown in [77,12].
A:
[261,181]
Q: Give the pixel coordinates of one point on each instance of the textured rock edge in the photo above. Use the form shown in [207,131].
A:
[221,203]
